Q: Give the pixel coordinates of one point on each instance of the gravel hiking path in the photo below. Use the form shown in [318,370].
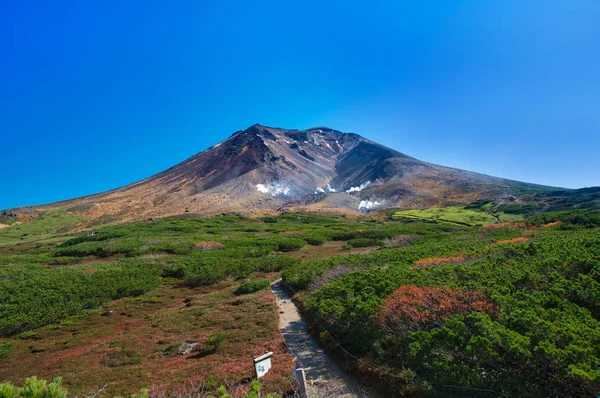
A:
[324,377]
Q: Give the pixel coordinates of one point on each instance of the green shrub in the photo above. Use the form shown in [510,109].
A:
[586,218]
[33,296]
[274,263]
[344,235]
[203,276]
[89,238]
[142,394]
[546,292]
[253,392]
[34,388]
[314,239]
[290,244]
[211,382]
[7,390]
[211,344]
[364,242]
[223,392]
[206,268]
[216,339]
[254,389]
[252,286]
[6,349]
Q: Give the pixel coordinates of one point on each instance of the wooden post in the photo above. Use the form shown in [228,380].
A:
[300,377]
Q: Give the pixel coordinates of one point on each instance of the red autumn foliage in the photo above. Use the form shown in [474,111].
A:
[412,307]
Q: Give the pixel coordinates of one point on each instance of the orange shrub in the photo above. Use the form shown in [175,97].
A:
[515,240]
[504,225]
[432,262]
[412,307]
[552,224]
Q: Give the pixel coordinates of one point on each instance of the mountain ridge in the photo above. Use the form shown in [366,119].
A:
[263,170]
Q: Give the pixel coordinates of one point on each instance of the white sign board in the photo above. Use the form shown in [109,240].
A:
[262,364]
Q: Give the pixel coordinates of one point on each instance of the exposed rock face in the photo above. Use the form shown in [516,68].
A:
[6,214]
[263,169]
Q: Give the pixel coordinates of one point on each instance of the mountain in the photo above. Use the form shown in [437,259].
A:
[262,170]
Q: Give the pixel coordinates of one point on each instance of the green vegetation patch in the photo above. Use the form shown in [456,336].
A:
[34,388]
[513,309]
[364,242]
[586,218]
[6,349]
[32,296]
[51,222]
[252,286]
[454,215]
[529,306]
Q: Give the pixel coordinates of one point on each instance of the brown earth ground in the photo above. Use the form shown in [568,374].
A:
[328,249]
[136,346]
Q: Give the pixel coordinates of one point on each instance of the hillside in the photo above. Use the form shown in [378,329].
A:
[264,170]
[431,303]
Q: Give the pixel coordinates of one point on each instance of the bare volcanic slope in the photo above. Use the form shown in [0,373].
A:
[263,170]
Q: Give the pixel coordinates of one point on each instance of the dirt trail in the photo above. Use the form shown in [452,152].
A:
[324,376]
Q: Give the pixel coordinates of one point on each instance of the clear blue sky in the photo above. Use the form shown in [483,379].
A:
[96,95]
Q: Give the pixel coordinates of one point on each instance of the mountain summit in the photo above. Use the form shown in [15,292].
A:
[265,169]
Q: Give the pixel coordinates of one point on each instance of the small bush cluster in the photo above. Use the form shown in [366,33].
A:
[97,237]
[517,319]
[314,239]
[252,286]
[33,296]
[364,242]
[412,307]
[211,344]
[34,388]
[331,275]
[6,349]
[252,392]
[199,269]
[586,218]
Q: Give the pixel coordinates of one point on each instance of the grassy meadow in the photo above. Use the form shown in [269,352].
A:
[439,302]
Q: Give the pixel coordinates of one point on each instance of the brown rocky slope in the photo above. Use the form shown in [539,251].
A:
[264,170]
